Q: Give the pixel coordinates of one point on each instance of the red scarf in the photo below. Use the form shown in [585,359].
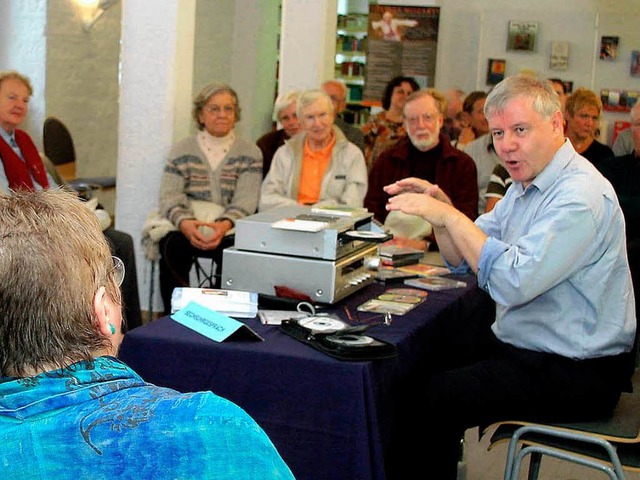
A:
[19,172]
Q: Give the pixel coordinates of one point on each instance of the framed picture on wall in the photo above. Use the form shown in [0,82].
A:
[495,70]
[522,36]
[614,100]
[609,48]
[635,63]
[568,86]
[559,59]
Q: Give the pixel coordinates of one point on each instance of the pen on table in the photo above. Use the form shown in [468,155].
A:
[346,310]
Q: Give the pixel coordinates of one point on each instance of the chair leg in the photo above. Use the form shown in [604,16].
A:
[205,280]
[534,465]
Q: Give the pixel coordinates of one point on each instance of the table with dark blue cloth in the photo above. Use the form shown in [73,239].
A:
[329,419]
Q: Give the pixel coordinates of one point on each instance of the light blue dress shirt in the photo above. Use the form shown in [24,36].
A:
[104,422]
[555,262]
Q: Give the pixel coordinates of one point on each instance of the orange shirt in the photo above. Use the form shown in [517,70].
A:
[314,165]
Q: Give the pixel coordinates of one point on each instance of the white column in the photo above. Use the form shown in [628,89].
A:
[307,44]
[156,48]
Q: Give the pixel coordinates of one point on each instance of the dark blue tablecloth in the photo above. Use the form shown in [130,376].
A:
[330,419]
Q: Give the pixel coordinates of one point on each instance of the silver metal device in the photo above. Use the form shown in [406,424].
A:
[327,264]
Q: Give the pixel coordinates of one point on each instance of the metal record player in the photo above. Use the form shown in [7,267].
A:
[324,255]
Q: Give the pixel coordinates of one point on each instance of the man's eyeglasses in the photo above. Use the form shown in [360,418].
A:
[426,118]
[118,270]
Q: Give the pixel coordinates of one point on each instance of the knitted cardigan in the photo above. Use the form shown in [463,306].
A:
[235,184]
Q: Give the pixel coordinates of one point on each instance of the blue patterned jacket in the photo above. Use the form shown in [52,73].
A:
[100,420]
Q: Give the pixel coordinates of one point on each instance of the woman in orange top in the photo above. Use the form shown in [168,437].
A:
[318,166]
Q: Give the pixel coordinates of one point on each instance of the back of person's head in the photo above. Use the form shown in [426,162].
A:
[337,85]
[396,82]
[455,99]
[441,101]
[206,93]
[283,101]
[337,91]
[560,83]
[582,97]
[471,99]
[308,97]
[544,99]
[53,260]
[12,74]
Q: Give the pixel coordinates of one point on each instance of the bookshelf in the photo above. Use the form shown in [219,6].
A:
[351,56]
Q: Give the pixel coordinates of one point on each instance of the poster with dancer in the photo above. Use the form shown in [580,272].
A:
[401,40]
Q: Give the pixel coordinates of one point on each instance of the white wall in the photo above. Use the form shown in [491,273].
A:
[473,31]
[82,86]
[26,20]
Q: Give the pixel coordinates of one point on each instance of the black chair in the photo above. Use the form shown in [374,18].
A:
[610,445]
[59,148]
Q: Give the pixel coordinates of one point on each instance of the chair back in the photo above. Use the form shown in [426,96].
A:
[58,144]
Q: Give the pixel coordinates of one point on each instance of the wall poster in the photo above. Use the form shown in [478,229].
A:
[559,59]
[401,40]
[495,71]
[609,48]
[634,71]
[522,36]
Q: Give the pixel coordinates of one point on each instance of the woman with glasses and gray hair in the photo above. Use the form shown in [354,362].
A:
[210,180]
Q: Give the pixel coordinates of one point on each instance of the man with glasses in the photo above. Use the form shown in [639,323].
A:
[424,154]
[551,256]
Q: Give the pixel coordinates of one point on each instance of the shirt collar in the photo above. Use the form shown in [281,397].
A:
[546,178]
[7,137]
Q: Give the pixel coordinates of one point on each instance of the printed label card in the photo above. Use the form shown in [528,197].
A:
[212,324]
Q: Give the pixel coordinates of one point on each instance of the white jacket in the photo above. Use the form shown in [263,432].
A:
[344,182]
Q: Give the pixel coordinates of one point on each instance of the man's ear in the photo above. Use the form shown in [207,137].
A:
[558,122]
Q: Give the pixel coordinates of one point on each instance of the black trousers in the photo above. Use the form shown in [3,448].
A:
[472,379]
[122,246]
[176,259]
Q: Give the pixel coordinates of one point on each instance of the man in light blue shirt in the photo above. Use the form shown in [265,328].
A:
[552,256]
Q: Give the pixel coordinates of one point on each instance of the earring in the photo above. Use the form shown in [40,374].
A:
[112,328]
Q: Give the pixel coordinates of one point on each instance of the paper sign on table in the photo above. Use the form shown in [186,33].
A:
[211,324]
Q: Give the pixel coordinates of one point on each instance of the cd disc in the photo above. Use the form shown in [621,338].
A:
[350,340]
[367,235]
[322,324]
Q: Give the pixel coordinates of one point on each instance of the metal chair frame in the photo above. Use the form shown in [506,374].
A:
[610,445]
[615,470]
